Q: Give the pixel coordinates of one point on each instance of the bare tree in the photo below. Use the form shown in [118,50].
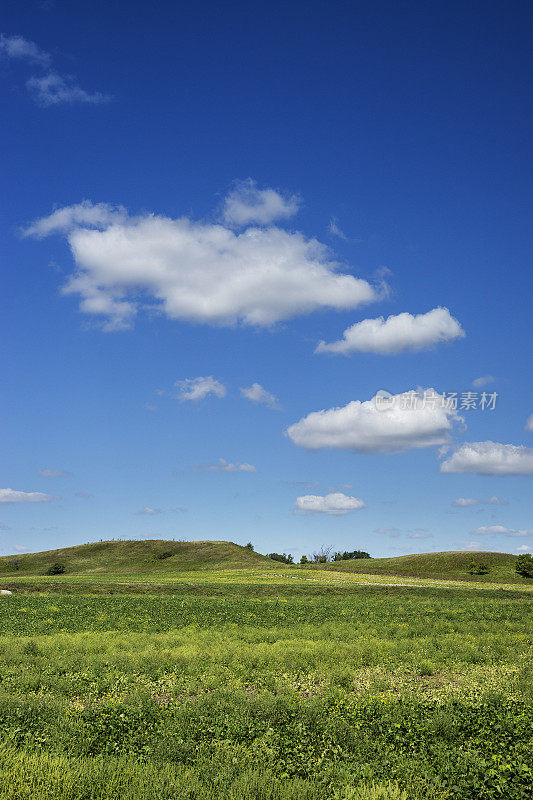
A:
[323,555]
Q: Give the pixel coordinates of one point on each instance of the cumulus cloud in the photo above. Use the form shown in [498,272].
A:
[396,333]
[198,388]
[406,423]
[501,530]
[49,88]
[247,204]
[484,380]
[529,423]
[17,496]
[490,458]
[335,503]
[465,502]
[524,548]
[149,512]
[223,466]
[53,473]
[196,271]
[257,394]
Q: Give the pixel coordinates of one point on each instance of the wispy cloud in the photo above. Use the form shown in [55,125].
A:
[484,380]
[53,473]
[223,466]
[335,230]
[149,512]
[195,389]
[500,530]
[49,88]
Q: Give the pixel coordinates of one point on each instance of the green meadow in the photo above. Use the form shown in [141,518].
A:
[237,678]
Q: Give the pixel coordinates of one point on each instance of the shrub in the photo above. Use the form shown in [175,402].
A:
[323,555]
[304,560]
[56,569]
[283,557]
[249,546]
[476,568]
[349,554]
[524,565]
[165,554]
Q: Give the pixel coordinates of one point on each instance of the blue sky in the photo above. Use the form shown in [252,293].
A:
[196,197]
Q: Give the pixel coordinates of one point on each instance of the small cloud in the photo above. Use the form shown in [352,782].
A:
[50,88]
[396,334]
[196,389]
[391,529]
[20,548]
[336,504]
[471,545]
[17,496]
[151,512]
[53,89]
[150,407]
[247,204]
[257,394]
[334,229]
[497,501]
[465,502]
[501,530]
[483,381]
[84,495]
[524,548]
[53,473]
[529,423]
[417,535]
[223,466]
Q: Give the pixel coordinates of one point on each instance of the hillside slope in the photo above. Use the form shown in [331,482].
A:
[450,564]
[129,557]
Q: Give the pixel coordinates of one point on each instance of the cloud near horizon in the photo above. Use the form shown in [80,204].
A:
[336,504]
[196,271]
[365,428]
[397,333]
[17,496]
[490,458]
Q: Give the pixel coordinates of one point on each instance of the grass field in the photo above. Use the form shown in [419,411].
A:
[247,681]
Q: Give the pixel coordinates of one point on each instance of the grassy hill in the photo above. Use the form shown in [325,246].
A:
[129,557]
[450,564]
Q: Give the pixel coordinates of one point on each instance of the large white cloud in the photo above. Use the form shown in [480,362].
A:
[490,458]
[247,204]
[396,333]
[196,271]
[406,422]
[17,496]
[335,503]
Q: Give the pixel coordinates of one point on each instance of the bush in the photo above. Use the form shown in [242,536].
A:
[283,557]
[349,554]
[56,569]
[304,560]
[524,565]
[165,554]
[249,546]
[476,568]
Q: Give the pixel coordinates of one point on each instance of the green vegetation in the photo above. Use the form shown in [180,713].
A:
[351,554]
[524,565]
[257,683]
[283,557]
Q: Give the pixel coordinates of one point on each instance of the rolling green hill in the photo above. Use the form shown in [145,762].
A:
[450,564]
[129,557]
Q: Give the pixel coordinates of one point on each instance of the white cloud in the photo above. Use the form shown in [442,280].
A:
[470,545]
[484,380]
[396,333]
[150,512]
[365,428]
[335,230]
[524,548]
[464,502]
[223,466]
[417,535]
[392,529]
[50,88]
[53,89]
[16,496]
[53,473]
[497,501]
[501,530]
[80,215]
[196,271]
[336,503]
[529,423]
[257,394]
[490,458]
[247,204]
[199,388]
[18,48]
